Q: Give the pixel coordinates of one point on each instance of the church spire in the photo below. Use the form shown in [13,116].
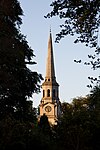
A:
[50,103]
[50,70]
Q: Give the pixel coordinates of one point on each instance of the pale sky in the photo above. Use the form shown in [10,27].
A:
[72,77]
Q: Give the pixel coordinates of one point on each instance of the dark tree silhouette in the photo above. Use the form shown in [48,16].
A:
[79,127]
[81,18]
[17,81]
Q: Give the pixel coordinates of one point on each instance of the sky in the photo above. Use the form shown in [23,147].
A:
[72,77]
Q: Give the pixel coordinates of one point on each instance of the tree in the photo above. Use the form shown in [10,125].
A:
[44,125]
[79,126]
[17,81]
[72,128]
[81,18]
[46,133]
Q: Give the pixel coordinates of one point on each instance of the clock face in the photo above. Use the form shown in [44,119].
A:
[48,108]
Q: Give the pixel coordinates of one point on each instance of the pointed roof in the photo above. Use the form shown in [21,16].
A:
[50,70]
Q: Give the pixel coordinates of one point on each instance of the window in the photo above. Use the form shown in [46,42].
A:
[48,93]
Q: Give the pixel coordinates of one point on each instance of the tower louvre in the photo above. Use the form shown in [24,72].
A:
[50,104]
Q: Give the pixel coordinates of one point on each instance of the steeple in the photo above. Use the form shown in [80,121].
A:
[50,103]
[50,70]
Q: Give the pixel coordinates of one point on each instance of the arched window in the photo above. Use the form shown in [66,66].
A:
[48,93]
[43,93]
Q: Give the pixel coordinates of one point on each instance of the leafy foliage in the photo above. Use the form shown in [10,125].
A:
[81,18]
[79,126]
[17,81]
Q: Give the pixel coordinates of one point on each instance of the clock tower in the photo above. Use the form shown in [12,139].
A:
[50,104]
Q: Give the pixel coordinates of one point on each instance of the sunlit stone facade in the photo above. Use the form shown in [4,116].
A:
[50,104]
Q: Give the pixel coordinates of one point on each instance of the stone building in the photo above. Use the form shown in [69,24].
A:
[50,104]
